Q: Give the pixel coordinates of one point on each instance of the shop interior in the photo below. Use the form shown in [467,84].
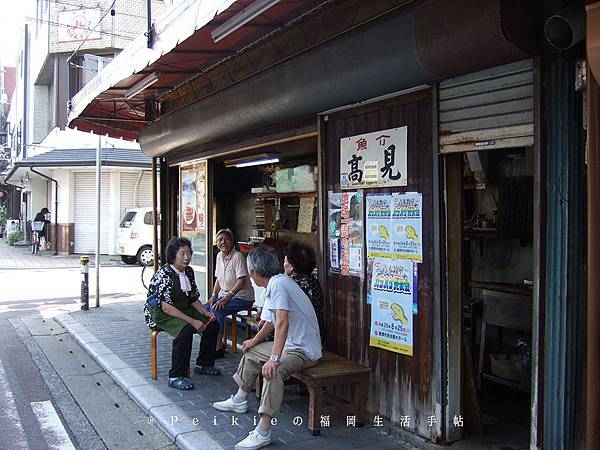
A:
[268,195]
[497,286]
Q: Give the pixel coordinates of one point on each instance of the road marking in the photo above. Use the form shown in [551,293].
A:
[9,412]
[51,426]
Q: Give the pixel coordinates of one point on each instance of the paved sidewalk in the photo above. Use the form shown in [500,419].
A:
[118,339]
[21,257]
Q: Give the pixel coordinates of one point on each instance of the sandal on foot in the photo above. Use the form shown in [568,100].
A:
[203,370]
[181,383]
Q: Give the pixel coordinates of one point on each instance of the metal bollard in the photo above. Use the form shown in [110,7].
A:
[85,287]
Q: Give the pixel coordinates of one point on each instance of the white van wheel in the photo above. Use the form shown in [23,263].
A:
[145,256]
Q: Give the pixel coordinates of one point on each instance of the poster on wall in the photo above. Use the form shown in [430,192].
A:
[192,209]
[345,233]
[369,275]
[377,159]
[392,291]
[394,226]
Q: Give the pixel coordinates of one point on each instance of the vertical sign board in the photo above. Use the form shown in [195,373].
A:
[374,160]
[345,233]
[192,210]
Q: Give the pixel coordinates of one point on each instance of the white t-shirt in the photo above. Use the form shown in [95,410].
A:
[228,270]
[303,328]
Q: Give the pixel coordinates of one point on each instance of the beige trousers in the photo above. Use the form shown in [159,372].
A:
[250,367]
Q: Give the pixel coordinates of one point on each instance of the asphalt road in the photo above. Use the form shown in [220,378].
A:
[52,395]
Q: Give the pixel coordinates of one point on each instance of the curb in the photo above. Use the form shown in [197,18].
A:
[159,408]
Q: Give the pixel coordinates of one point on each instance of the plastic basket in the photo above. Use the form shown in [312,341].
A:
[37,226]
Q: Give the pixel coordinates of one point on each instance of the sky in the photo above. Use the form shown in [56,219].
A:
[12,13]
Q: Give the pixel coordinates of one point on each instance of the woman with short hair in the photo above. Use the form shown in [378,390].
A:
[173,305]
[232,291]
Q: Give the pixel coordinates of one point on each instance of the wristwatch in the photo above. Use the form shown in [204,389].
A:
[275,358]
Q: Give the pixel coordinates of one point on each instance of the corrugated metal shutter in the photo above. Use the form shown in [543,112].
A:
[85,213]
[489,109]
[128,181]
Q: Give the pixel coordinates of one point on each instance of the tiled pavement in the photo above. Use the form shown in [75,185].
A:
[21,257]
[118,339]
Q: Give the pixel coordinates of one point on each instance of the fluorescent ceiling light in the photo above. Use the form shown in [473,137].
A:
[141,85]
[241,18]
[256,160]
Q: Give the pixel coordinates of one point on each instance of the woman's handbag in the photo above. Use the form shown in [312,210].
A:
[152,301]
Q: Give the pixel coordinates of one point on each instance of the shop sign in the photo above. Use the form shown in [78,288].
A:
[392,291]
[394,226]
[192,209]
[75,25]
[376,159]
[345,232]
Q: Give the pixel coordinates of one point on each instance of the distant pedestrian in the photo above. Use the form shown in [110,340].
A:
[43,216]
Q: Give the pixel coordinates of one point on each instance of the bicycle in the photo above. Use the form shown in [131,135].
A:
[147,277]
[36,228]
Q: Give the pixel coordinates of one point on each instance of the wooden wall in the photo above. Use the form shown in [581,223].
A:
[399,385]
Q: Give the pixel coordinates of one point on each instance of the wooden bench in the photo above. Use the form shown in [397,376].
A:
[332,370]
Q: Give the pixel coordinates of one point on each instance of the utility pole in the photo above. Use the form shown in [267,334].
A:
[98,197]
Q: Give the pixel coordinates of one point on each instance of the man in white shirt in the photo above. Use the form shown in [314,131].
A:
[297,345]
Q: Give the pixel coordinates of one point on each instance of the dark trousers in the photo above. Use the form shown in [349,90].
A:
[182,349]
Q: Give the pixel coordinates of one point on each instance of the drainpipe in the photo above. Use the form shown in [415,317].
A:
[25,91]
[136,190]
[55,207]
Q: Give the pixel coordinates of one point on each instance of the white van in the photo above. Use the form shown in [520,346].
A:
[135,237]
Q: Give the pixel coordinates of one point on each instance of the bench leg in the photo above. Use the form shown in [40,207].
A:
[154,357]
[360,403]
[234,333]
[314,410]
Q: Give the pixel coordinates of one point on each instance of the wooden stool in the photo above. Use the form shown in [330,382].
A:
[154,354]
[155,332]
[249,312]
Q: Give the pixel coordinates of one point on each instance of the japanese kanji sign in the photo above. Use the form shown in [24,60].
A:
[374,159]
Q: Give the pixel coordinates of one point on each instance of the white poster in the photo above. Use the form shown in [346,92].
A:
[376,159]
[392,292]
[394,226]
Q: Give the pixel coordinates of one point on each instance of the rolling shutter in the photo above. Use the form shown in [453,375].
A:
[85,213]
[128,180]
[487,110]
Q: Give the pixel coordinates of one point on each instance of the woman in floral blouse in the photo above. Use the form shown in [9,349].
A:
[173,305]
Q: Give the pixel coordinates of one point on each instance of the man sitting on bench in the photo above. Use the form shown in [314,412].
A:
[297,345]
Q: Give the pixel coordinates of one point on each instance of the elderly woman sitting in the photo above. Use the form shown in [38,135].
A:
[233,290]
[173,306]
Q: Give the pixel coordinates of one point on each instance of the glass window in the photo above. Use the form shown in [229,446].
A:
[148,218]
[128,218]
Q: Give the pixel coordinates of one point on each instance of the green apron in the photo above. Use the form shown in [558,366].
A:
[174,325]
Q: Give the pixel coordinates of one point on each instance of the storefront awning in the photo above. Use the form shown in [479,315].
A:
[119,101]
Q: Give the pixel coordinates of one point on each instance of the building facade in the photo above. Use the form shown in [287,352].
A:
[449,212]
